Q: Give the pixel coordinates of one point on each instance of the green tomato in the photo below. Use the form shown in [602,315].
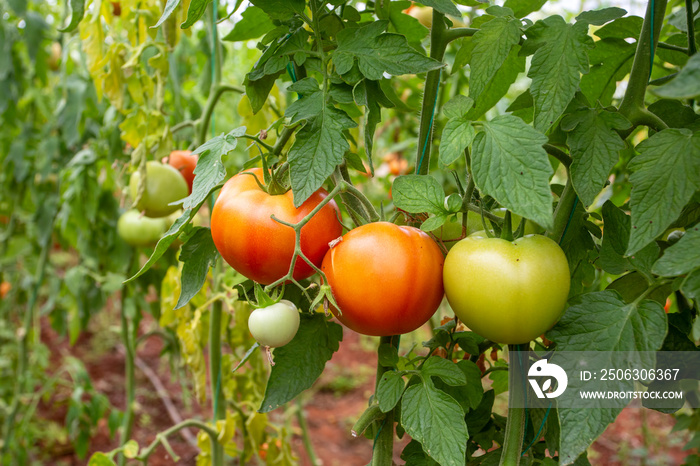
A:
[274,325]
[164,185]
[138,230]
[507,292]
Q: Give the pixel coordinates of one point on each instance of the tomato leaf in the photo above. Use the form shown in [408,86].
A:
[299,363]
[457,135]
[446,370]
[492,45]
[601,321]
[414,455]
[210,170]
[470,393]
[167,11]
[611,60]
[406,24]
[522,8]
[319,147]
[418,193]
[499,85]
[370,94]
[101,459]
[443,6]
[595,148]
[77,12]
[686,85]
[510,165]
[194,12]
[377,53]
[436,420]
[253,24]
[666,175]
[280,9]
[691,285]
[602,16]
[197,254]
[389,390]
[559,60]
[682,257]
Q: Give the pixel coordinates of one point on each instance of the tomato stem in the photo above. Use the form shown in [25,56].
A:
[515,425]
[383,451]
[161,437]
[562,213]
[130,353]
[632,105]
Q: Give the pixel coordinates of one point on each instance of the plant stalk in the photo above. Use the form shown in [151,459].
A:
[383,452]
[308,446]
[129,356]
[23,350]
[438,44]
[515,426]
[632,105]
[563,212]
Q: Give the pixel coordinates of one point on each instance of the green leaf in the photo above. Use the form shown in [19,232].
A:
[434,222]
[691,285]
[377,53]
[101,459]
[389,390]
[414,455]
[492,45]
[254,23]
[388,355]
[197,254]
[510,165]
[170,6]
[306,108]
[560,58]
[675,114]
[457,135]
[443,6]
[194,12]
[131,449]
[499,85]
[522,8]
[602,16]
[446,370]
[319,147]
[686,85]
[419,193]
[405,24]
[458,106]
[615,239]
[280,9]
[469,394]
[300,362]
[210,170]
[595,148]
[436,420]
[601,321]
[77,12]
[682,257]
[611,60]
[370,94]
[666,175]
[258,90]
[628,27]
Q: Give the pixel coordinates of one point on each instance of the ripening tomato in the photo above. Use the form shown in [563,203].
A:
[164,185]
[386,279]
[259,247]
[5,288]
[185,163]
[507,292]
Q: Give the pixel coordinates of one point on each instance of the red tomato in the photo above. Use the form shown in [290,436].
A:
[259,247]
[185,162]
[386,279]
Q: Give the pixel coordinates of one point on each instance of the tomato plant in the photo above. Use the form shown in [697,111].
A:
[163,185]
[377,270]
[508,292]
[436,115]
[257,245]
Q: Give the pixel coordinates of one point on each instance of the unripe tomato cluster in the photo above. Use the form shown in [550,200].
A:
[165,184]
[388,279]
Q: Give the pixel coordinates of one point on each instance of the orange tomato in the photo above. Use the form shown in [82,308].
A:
[257,246]
[185,163]
[5,288]
[386,279]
